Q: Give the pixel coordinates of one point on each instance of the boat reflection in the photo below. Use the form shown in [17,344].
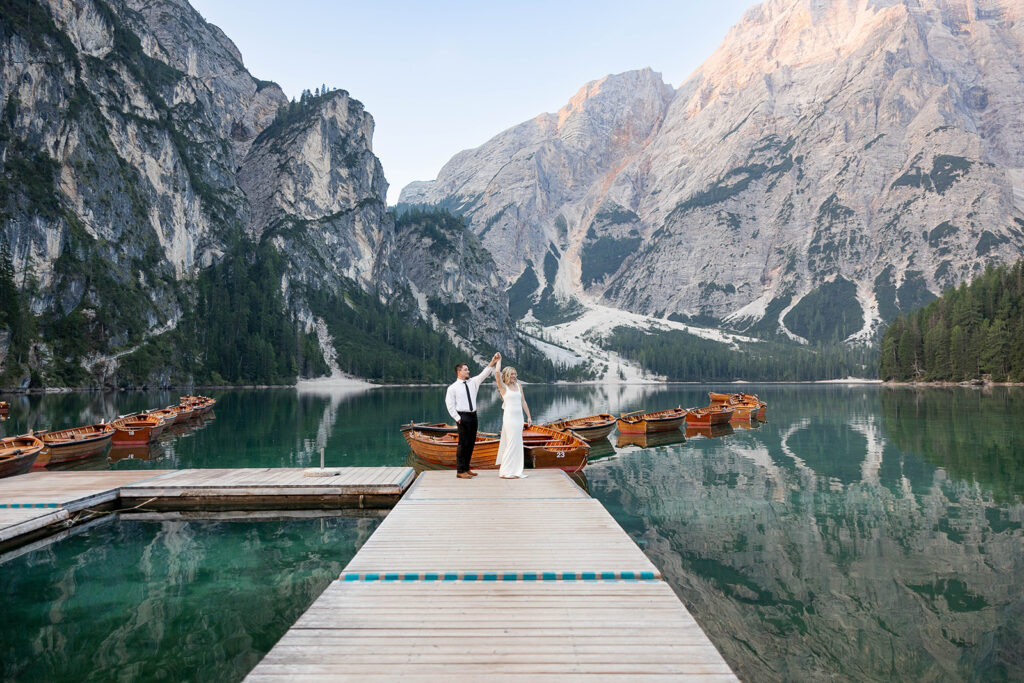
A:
[135,452]
[420,465]
[747,424]
[91,461]
[712,432]
[653,440]
[579,478]
[602,448]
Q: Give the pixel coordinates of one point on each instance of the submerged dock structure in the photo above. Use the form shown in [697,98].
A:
[491,578]
[39,504]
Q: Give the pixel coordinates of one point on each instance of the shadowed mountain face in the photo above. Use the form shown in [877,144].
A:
[830,164]
[153,191]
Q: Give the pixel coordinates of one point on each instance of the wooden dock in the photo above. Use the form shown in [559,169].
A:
[40,503]
[270,488]
[496,579]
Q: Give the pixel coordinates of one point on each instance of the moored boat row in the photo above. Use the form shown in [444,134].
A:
[566,443]
[19,454]
[437,444]
[745,406]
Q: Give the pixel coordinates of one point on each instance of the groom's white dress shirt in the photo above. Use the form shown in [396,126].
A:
[457,399]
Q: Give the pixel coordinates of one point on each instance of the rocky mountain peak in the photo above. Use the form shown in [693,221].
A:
[526,191]
[833,162]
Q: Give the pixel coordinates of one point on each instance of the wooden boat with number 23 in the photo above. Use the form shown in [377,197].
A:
[647,423]
[590,428]
[544,447]
[17,453]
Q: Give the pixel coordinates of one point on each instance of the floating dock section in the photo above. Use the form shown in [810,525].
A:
[37,504]
[492,578]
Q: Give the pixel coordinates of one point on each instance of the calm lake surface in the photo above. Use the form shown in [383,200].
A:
[862,533]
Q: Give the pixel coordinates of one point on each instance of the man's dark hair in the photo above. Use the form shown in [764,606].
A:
[459,365]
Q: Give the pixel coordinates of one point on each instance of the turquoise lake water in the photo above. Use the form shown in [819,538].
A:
[862,533]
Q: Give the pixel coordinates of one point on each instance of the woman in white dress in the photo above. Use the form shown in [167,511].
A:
[510,446]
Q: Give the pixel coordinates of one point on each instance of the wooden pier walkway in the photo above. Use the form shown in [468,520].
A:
[39,503]
[496,579]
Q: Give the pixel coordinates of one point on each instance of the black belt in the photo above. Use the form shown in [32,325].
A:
[466,412]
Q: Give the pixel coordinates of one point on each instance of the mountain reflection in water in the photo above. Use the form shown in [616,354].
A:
[875,535]
[862,533]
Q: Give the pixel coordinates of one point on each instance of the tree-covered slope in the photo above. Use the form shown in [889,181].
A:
[972,331]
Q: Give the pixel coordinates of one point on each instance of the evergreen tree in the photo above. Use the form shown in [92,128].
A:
[973,330]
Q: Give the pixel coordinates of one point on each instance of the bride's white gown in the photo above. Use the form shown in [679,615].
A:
[510,446]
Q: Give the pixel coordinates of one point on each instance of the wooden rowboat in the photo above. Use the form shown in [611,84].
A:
[440,447]
[706,417]
[437,444]
[745,406]
[136,429]
[590,428]
[199,404]
[17,453]
[77,443]
[544,447]
[646,423]
[186,412]
[168,415]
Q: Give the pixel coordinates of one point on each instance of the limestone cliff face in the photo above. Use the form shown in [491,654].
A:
[534,189]
[123,126]
[317,191]
[454,281]
[137,152]
[829,156]
[135,149]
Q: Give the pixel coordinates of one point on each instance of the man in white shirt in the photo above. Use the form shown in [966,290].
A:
[461,403]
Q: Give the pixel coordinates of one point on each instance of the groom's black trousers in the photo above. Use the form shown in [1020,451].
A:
[467,439]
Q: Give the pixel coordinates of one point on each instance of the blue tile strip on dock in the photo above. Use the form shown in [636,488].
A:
[28,505]
[504,576]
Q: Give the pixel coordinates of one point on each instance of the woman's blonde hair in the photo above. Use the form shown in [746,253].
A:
[506,373]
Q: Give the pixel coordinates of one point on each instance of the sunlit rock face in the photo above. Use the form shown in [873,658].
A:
[318,192]
[868,153]
[136,151]
[533,189]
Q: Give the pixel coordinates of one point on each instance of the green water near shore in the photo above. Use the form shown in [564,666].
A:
[172,600]
[863,533]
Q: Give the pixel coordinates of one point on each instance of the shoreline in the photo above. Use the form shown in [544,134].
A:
[353,384]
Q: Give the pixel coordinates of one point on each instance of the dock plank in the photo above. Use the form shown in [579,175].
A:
[619,629]
[502,579]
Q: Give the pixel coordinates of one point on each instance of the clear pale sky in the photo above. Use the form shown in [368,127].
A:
[443,76]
